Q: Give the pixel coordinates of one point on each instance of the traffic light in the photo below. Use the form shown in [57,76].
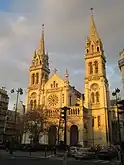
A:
[63,114]
[121,105]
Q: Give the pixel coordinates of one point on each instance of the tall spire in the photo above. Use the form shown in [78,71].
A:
[93,34]
[42,45]
[66,74]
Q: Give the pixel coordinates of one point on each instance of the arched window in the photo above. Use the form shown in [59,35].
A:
[37,78]
[62,98]
[92,97]
[31,103]
[32,79]
[97,96]
[87,50]
[43,75]
[92,47]
[70,100]
[96,66]
[90,68]
[40,62]
[51,85]
[97,49]
[99,123]
[54,84]
[34,104]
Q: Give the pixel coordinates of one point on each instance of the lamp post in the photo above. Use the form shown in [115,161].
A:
[115,93]
[19,91]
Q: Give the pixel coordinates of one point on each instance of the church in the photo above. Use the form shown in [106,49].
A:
[87,121]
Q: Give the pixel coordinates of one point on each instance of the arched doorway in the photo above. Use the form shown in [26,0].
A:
[73,135]
[52,135]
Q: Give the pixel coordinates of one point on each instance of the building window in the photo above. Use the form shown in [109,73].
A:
[90,68]
[32,78]
[34,104]
[37,78]
[70,100]
[92,122]
[99,121]
[92,97]
[97,49]
[51,85]
[87,51]
[96,66]
[92,48]
[54,84]
[62,98]
[40,62]
[31,103]
[97,96]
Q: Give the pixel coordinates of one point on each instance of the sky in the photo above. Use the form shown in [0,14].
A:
[66,28]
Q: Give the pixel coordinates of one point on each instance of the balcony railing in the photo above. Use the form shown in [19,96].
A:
[75,111]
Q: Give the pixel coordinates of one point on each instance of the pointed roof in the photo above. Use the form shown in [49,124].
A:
[66,73]
[93,34]
[42,45]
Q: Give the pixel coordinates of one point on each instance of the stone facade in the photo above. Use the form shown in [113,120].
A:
[96,90]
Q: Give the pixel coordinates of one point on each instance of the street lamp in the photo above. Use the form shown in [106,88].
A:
[115,93]
[19,91]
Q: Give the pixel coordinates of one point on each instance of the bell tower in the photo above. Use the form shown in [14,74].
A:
[96,88]
[39,74]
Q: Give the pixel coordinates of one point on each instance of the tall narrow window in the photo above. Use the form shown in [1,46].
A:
[70,100]
[37,78]
[97,49]
[54,84]
[31,103]
[92,97]
[90,68]
[34,104]
[32,78]
[97,96]
[92,48]
[62,98]
[99,121]
[96,66]
[92,122]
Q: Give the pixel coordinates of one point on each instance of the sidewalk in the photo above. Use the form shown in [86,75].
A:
[4,154]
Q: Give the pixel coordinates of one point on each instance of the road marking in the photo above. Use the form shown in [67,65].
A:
[98,161]
[106,162]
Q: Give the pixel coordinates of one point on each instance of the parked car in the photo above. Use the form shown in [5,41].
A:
[107,154]
[84,153]
[72,151]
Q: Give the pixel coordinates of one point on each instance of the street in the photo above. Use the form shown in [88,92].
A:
[38,158]
[37,161]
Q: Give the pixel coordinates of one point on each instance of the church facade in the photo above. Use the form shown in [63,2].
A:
[87,121]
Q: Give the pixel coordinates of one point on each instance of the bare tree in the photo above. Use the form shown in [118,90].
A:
[34,123]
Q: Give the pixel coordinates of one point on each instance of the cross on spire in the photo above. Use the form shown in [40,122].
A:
[91,10]
[55,70]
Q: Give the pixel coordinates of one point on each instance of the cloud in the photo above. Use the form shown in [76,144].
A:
[66,28]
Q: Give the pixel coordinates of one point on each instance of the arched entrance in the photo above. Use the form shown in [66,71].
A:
[73,135]
[52,135]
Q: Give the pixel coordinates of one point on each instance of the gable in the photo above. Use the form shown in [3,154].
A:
[55,81]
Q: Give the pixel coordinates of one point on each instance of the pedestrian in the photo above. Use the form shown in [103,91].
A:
[7,145]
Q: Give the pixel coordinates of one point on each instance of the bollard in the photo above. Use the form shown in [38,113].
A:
[45,152]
